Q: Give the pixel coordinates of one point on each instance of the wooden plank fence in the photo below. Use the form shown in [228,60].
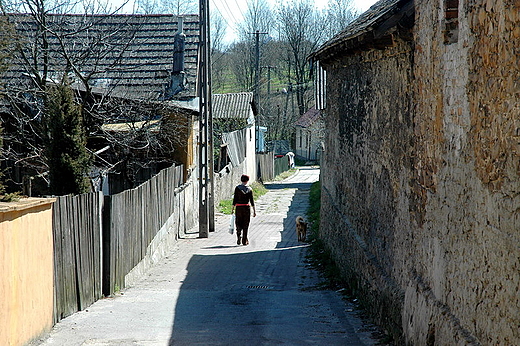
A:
[265,167]
[281,165]
[269,167]
[77,252]
[99,239]
[132,218]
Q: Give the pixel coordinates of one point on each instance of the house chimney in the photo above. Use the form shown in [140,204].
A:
[177,77]
[178,48]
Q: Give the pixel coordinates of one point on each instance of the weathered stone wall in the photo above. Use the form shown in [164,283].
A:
[422,167]
[365,172]
[467,244]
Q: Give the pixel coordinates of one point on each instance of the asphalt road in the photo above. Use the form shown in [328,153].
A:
[214,292]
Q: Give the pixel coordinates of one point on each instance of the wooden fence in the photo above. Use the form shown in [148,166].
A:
[265,166]
[269,167]
[132,218]
[99,239]
[281,165]
[77,252]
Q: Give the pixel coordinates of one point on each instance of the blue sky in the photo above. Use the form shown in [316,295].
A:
[232,10]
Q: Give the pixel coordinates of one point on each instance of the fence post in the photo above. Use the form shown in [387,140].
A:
[107,281]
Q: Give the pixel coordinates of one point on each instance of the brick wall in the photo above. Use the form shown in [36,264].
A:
[422,167]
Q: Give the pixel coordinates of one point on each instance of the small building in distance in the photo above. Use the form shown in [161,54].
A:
[309,135]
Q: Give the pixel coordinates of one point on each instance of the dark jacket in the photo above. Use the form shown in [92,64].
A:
[243,195]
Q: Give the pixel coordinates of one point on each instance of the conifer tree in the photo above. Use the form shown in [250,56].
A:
[67,156]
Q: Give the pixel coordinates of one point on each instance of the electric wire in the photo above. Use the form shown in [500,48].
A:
[229,14]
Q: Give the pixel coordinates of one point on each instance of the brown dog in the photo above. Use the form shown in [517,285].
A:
[301,228]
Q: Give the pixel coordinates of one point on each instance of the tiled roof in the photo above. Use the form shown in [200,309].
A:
[371,22]
[130,55]
[235,106]
[308,118]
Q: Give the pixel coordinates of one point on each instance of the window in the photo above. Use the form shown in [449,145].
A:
[321,86]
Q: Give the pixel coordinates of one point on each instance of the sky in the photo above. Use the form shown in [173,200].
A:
[232,10]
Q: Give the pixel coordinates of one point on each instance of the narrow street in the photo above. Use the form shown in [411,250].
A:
[214,292]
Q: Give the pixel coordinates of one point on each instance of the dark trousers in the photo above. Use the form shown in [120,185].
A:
[242,218]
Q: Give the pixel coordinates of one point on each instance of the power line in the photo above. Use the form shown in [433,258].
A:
[229,13]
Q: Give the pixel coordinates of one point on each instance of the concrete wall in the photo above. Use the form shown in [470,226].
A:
[26,270]
[250,160]
[226,181]
[422,167]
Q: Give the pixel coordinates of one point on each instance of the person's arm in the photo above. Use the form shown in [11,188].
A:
[252,202]
[234,202]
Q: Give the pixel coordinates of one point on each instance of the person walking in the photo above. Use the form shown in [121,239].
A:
[243,201]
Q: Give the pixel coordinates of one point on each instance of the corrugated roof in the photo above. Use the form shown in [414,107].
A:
[368,22]
[232,106]
[308,118]
[130,55]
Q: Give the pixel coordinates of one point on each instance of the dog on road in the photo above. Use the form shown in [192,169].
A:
[301,228]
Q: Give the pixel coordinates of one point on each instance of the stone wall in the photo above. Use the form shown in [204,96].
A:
[366,171]
[468,240]
[422,165]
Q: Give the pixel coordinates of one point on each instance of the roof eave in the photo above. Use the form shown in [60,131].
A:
[379,35]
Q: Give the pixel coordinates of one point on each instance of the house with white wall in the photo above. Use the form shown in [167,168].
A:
[309,135]
[239,145]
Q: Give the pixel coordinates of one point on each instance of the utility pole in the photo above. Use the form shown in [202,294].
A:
[256,97]
[257,65]
[269,68]
[206,199]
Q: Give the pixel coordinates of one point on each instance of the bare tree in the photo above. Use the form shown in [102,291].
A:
[258,17]
[5,42]
[178,7]
[339,13]
[302,28]
[51,43]
[218,53]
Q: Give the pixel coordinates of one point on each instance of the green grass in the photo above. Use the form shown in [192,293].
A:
[319,256]
[321,259]
[285,175]
[258,190]
[226,206]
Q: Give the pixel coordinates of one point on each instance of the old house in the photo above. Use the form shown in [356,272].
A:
[309,135]
[125,69]
[421,165]
[235,129]
[234,133]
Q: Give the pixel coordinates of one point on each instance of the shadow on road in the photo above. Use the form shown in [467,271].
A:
[226,299]
[281,186]
[246,298]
